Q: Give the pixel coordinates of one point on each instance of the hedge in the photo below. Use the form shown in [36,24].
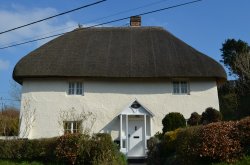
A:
[212,143]
[67,149]
[23,149]
[83,149]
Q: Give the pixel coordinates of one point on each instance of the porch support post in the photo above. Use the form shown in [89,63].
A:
[150,123]
[120,131]
[145,131]
[127,133]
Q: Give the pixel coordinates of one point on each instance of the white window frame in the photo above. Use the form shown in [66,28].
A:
[179,89]
[72,127]
[75,88]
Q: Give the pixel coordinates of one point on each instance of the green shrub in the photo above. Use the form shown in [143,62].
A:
[159,151]
[155,151]
[83,149]
[20,149]
[186,141]
[67,149]
[210,115]
[169,141]
[104,151]
[173,121]
[194,119]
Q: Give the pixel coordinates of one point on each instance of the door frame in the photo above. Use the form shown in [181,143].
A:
[124,120]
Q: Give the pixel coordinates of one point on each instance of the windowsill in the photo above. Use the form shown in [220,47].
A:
[74,95]
[181,94]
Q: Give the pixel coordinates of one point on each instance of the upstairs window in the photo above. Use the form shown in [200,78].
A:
[180,87]
[75,88]
[72,127]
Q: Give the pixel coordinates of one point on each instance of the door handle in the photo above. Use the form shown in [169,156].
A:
[129,135]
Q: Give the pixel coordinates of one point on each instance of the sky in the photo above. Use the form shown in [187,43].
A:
[204,25]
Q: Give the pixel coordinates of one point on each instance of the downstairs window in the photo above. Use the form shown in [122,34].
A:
[72,127]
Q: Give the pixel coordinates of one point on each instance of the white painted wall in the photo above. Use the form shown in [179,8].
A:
[106,99]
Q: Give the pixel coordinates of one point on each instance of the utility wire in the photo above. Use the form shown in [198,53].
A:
[41,20]
[125,11]
[7,99]
[98,19]
[104,23]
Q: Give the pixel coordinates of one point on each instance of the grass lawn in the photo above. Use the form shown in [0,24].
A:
[244,161]
[12,162]
[9,162]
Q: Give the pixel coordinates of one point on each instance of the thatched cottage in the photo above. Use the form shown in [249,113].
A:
[129,78]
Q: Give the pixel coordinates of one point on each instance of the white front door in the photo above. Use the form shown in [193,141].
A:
[136,137]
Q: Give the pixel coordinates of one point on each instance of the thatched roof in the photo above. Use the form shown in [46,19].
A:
[117,52]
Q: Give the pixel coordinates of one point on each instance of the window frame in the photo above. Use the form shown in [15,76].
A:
[71,127]
[75,88]
[179,89]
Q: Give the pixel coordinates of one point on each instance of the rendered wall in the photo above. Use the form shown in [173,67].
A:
[106,99]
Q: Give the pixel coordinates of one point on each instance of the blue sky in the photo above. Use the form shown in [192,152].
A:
[204,25]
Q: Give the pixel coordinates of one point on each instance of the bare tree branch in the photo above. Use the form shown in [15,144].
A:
[87,119]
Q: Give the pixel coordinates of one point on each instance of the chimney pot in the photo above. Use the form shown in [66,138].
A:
[135,21]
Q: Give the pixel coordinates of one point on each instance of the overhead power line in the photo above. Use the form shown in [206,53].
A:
[104,23]
[7,99]
[66,12]
[90,21]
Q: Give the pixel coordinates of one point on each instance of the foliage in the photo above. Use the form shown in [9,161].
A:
[169,140]
[204,144]
[15,162]
[218,143]
[194,119]
[215,142]
[9,120]
[104,151]
[155,151]
[244,106]
[185,140]
[67,148]
[243,130]
[83,149]
[173,121]
[236,57]
[228,99]
[160,150]
[21,149]
[230,50]
[210,115]
[244,161]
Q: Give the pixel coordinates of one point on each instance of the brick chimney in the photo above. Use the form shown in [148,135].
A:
[135,21]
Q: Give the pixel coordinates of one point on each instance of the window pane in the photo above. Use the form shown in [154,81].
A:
[74,125]
[176,88]
[71,88]
[184,87]
[67,127]
[79,89]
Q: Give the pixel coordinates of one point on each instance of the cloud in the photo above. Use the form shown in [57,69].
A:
[4,64]
[19,15]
